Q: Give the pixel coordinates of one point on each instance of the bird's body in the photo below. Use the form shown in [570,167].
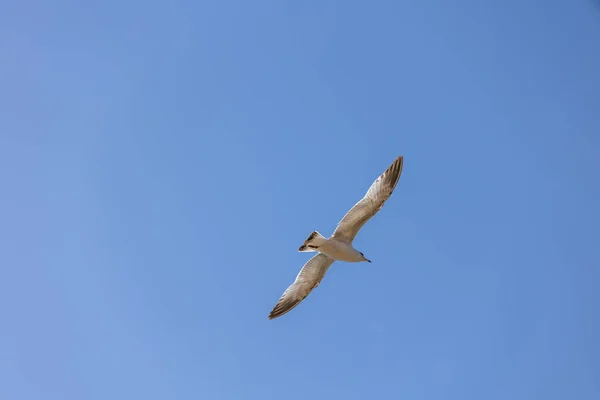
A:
[341,251]
[332,248]
[339,246]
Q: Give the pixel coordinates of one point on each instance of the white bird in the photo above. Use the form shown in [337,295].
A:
[339,245]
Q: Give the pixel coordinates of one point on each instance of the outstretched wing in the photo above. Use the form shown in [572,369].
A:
[309,278]
[368,206]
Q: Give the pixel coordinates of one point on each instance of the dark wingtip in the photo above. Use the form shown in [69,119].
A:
[396,169]
[284,306]
[272,314]
[277,312]
[400,161]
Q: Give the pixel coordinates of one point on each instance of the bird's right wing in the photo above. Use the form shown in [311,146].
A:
[309,278]
[370,204]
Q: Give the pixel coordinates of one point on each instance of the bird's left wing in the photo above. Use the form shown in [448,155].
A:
[309,278]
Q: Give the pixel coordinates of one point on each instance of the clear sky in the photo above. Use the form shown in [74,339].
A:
[161,163]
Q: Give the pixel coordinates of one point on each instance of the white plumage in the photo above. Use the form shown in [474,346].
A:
[339,245]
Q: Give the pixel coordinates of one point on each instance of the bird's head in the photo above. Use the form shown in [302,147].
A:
[364,258]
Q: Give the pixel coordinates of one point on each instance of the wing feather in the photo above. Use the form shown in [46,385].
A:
[370,204]
[308,278]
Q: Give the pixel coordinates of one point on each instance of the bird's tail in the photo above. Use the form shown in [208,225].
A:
[313,242]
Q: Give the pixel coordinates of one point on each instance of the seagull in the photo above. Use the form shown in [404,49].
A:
[339,246]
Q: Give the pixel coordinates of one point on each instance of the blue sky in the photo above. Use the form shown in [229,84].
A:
[161,162]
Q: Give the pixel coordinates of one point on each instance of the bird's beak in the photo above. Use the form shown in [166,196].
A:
[367,260]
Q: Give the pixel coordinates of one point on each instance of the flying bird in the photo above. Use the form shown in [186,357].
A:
[339,246]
